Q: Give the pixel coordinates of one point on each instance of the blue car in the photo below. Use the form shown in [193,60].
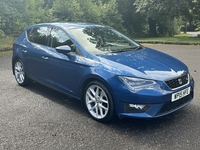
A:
[108,72]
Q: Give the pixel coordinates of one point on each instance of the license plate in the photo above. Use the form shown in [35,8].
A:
[178,95]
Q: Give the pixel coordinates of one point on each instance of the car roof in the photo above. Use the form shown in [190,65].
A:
[67,25]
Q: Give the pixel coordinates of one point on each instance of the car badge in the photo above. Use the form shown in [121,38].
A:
[180,81]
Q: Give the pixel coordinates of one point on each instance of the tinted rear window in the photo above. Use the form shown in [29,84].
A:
[38,35]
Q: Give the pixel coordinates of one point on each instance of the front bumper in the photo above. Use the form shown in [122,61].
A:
[156,104]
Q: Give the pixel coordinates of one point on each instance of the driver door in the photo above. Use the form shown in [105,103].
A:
[61,70]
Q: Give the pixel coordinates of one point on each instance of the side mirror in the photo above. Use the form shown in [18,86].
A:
[65,49]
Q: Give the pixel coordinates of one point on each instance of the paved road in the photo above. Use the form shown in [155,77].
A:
[40,118]
[194,34]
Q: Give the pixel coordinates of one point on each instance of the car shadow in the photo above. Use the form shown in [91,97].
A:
[54,96]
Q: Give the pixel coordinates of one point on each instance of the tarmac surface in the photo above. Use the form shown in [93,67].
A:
[39,118]
[194,34]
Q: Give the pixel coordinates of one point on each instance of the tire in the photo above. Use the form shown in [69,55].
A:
[20,74]
[99,102]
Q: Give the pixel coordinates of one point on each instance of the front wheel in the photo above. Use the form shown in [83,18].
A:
[20,74]
[99,102]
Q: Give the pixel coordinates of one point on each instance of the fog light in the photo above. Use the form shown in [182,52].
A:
[138,107]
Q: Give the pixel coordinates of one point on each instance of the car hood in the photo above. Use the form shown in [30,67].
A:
[156,65]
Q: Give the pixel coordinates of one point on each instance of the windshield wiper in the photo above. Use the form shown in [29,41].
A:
[139,47]
[128,49]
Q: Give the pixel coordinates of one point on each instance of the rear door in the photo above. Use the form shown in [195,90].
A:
[35,51]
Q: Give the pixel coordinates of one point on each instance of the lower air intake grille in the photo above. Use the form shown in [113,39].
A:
[173,105]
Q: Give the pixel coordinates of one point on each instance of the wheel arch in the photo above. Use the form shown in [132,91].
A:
[14,59]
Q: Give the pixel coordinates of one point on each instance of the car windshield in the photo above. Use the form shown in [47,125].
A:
[99,40]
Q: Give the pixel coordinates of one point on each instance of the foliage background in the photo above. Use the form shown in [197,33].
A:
[138,18]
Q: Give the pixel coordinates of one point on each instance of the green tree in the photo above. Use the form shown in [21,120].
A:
[67,10]
[137,17]
[111,15]
[91,10]
[95,11]
[162,14]
[17,14]
[8,18]
[48,3]
[134,22]
[194,14]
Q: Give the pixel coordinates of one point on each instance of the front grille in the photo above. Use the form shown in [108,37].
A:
[173,105]
[178,82]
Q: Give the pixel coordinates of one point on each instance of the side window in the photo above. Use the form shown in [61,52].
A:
[58,38]
[38,35]
[28,33]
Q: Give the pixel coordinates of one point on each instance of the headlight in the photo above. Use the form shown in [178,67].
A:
[136,84]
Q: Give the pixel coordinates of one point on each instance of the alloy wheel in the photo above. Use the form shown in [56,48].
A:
[19,72]
[97,101]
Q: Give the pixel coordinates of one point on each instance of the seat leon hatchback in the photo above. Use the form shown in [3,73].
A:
[108,72]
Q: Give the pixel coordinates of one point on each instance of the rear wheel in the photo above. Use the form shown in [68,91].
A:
[20,74]
[99,102]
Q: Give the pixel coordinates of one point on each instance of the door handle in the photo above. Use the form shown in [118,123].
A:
[25,51]
[45,58]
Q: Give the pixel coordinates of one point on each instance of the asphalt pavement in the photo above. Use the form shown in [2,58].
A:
[194,34]
[38,118]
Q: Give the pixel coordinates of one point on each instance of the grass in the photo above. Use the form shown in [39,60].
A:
[180,38]
[7,53]
[6,42]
